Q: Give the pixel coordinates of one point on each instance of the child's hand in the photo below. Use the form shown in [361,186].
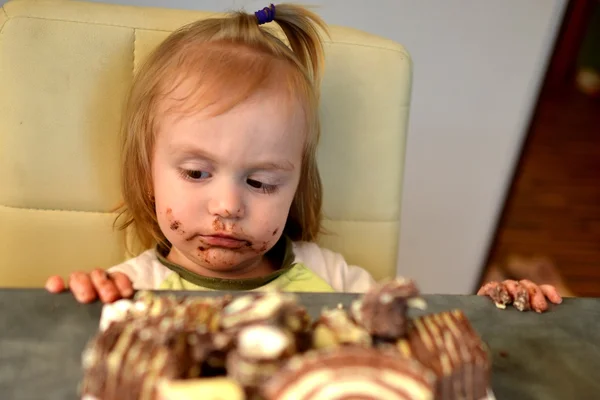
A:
[524,294]
[88,287]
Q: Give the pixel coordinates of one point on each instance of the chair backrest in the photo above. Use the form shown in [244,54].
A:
[65,67]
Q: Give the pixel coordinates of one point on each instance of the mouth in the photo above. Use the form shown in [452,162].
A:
[225,241]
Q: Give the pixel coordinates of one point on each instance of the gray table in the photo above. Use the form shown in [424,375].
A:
[555,355]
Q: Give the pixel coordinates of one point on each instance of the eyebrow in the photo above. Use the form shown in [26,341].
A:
[266,166]
[283,165]
[192,152]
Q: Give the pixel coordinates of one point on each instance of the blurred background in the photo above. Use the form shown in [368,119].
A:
[552,208]
[502,175]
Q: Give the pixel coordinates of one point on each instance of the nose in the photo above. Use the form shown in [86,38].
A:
[226,201]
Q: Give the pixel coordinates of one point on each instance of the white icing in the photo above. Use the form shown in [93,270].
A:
[238,304]
[500,305]
[262,342]
[89,358]
[254,309]
[361,389]
[356,380]
[386,298]
[418,303]
[355,309]
[114,312]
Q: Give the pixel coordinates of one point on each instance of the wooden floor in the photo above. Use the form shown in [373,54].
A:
[553,208]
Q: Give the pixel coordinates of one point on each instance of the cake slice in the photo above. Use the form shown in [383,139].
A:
[447,344]
[127,359]
[382,311]
[350,372]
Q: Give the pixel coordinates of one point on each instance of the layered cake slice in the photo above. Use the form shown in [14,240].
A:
[351,372]
[382,310]
[128,359]
[447,344]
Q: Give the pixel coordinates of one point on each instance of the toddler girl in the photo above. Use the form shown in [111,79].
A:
[219,174]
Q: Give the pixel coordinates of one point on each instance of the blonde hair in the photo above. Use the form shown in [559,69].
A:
[227,60]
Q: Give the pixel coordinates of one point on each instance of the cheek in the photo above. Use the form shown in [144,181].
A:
[274,216]
[169,223]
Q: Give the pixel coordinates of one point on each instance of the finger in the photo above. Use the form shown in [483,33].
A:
[106,288]
[55,284]
[485,289]
[497,292]
[123,283]
[519,294]
[536,296]
[551,293]
[82,288]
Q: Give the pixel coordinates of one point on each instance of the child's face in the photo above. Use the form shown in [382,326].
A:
[223,185]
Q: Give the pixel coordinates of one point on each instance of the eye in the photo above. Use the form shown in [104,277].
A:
[262,187]
[194,175]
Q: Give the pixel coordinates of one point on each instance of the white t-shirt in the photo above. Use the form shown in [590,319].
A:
[313,269]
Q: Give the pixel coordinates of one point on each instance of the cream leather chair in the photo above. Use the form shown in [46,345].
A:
[65,67]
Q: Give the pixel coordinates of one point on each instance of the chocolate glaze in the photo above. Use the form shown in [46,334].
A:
[382,311]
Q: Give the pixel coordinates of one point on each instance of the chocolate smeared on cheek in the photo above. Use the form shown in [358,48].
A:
[174,224]
[275,231]
[261,248]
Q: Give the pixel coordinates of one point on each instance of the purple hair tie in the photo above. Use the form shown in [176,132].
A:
[265,15]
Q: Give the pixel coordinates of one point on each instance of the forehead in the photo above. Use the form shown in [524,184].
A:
[266,125]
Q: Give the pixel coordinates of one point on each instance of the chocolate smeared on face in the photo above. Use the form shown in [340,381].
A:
[218,225]
[174,224]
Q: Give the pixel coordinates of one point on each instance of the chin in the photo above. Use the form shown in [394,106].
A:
[220,259]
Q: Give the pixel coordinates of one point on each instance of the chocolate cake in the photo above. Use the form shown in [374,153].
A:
[382,311]
[127,360]
[351,373]
[265,346]
[447,344]
[274,308]
[336,328]
[261,351]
